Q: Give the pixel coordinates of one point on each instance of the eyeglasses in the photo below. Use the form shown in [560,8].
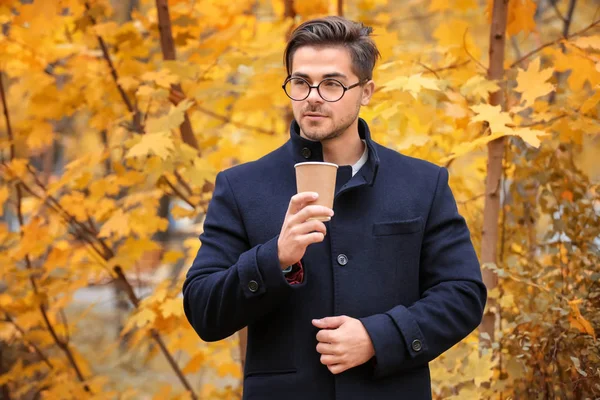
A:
[329,89]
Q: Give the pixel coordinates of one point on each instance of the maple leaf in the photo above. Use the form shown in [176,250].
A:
[160,144]
[479,87]
[412,84]
[521,16]
[117,224]
[587,41]
[532,82]
[495,117]
[171,121]
[172,307]
[530,136]
[195,363]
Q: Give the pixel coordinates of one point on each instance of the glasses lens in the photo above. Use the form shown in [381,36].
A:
[331,90]
[297,89]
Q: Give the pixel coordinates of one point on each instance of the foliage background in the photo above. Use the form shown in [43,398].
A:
[112,135]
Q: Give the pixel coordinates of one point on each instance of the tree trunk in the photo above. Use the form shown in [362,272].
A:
[168,49]
[491,209]
[340,8]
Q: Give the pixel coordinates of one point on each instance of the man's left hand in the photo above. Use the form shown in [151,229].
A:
[343,343]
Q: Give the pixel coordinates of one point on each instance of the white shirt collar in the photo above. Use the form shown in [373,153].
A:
[362,160]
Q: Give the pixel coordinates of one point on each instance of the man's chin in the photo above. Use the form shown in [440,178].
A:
[315,133]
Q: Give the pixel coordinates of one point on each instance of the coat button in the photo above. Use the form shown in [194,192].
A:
[416,345]
[253,286]
[306,153]
[342,259]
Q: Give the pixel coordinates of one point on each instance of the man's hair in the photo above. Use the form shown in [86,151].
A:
[336,31]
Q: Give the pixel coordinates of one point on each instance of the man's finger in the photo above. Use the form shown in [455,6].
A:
[326,348]
[329,322]
[325,336]
[327,359]
[336,368]
[298,201]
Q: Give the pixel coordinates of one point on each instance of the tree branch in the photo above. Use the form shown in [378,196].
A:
[89,237]
[178,192]
[42,307]
[167,46]
[40,354]
[7,118]
[469,53]
[552,43]
[132,109]
[176,97]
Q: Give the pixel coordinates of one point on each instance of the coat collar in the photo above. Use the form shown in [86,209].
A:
[307,150]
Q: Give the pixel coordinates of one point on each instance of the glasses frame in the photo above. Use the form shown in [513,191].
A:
[311,87]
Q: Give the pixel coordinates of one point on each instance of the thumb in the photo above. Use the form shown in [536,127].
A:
[329,322]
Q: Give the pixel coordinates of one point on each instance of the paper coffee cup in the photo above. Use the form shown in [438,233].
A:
[314,176]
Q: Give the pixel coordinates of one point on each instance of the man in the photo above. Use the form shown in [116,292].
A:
[350,308]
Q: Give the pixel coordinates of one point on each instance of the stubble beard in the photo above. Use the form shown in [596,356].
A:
[317,132]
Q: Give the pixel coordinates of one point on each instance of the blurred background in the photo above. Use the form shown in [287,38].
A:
[117,115]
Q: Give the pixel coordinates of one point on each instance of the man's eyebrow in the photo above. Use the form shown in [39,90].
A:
[328,75]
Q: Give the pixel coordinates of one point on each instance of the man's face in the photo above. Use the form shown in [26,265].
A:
[319,119]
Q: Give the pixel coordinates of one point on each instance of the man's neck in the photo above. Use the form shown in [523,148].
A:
[345,149]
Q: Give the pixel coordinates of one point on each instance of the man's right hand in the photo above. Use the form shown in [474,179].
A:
[297,233]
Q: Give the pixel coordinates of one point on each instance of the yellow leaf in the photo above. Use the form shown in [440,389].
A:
[171,256]
[163,393]
[163,78]
[588,41]
[4,193]
[532,83]
[171,121]
[442,5]
[531,136]
[194,364]
[229,368]
[479,87]
[128,82]
[172,307]
[117,224]
[495,117]
[412,84]
[41,136]
[521,16]
[144,317]
[159,144]
[578,321]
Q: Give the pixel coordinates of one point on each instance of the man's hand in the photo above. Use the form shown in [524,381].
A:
[343,343]
[297,233]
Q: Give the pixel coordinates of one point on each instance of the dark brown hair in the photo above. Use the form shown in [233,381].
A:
[336,31]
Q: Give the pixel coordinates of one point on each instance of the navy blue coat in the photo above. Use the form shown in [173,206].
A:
[410,274]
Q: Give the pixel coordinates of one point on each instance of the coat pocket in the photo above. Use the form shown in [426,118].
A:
[398,227]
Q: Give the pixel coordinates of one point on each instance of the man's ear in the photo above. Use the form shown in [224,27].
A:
[367,91]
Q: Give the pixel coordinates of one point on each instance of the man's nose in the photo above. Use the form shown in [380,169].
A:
[314,97]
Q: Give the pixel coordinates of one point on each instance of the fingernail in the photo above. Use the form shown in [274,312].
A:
[328,219]
[315,195]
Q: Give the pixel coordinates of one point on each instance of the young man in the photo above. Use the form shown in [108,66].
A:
[350,308]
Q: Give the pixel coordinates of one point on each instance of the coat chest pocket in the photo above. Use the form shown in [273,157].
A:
[398,227]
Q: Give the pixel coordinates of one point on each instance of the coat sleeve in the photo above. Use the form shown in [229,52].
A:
[229,284]
[453,295]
